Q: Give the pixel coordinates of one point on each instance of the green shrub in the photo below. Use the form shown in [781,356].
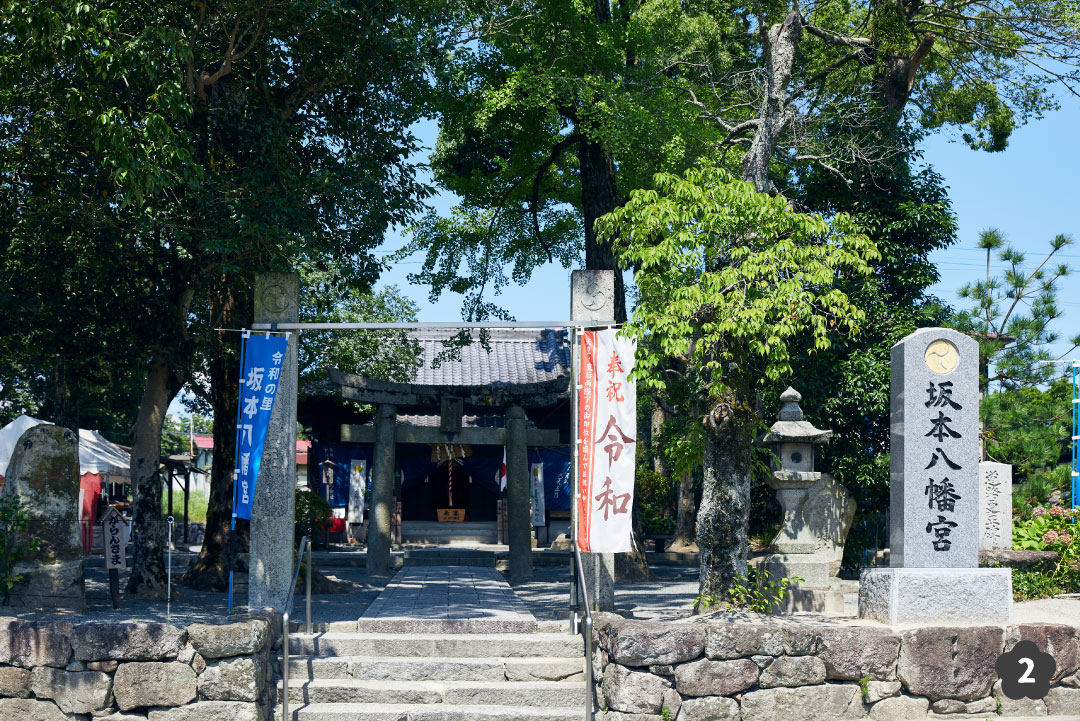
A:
[313,514]
[1049,529]
[197,505]
[13,519]
[756,591]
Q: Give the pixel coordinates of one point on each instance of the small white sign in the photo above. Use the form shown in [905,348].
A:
[357,483]
[115,531]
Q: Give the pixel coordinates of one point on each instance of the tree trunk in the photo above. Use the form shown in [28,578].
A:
[656,424]
[210,570]
[600,196]
[896,80]
[65,394]
[724,514]
[682,540]
[773,115]
[148,529]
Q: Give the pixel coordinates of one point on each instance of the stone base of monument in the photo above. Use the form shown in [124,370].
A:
[936,596]
[818,591]
[59,585]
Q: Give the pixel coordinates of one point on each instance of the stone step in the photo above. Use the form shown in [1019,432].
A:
[504,623]
[468,693]
[472,645]
[436,712]
[442,669]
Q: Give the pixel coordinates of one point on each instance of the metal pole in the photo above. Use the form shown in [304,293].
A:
[310,570]
[168,594]
[574,590]
[454,325]
[1076,433]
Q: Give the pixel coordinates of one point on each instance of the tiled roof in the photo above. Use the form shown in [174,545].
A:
[516,356]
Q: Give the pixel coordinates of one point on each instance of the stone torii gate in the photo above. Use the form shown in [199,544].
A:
[273,512]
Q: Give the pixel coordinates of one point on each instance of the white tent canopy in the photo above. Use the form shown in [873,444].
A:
[96,454]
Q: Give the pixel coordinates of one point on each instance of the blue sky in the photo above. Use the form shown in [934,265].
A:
[1029,192]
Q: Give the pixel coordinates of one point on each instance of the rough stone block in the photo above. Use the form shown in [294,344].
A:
[986,705]
[231,679]
[715,678]
[877,690]
[44,475]
[153,683]
[28,709]
[1060,641]
[1018,707]
[126,641]
[73,691]
[1063,702]
[740,640]
[950,662]
[208,711]
[853,652]
[645,643]
[793,671]
[807,703]
[14,682]
[229,639]
[633,691]
[709,708]
[34,643]
[672,702]
[899,708]
[121,716]
[936,595]
[103,666]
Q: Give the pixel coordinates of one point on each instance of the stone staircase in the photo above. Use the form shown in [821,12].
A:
[429,675]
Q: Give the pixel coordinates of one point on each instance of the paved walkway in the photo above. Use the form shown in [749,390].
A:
[448,599]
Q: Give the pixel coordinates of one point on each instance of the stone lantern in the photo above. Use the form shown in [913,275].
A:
[817,512]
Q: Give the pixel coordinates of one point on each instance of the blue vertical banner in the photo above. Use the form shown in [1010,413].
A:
[260,364]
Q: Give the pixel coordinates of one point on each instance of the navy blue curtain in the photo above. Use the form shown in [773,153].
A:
[341,455]
[556,476]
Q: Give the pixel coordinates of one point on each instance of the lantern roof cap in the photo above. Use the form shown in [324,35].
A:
[792,428]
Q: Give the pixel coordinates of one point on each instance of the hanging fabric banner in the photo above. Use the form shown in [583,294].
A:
[607,430]
[260,366]
[539,512]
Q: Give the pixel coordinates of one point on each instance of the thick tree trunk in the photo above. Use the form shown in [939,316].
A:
[895,81]
[210,570]
[682,540]
[148,530]
[724,514]
[600,196]
[773,115]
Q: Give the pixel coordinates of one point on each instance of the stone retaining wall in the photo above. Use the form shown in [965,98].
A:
[53,670]
[700,669]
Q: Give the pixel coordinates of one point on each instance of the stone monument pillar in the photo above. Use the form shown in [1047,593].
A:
[817,513]
[273,509]
[43,475]
[995,506]
[934,492]
[592,297]
[382,491]
[519,528]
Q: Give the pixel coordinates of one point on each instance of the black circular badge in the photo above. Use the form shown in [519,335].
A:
[1025,671]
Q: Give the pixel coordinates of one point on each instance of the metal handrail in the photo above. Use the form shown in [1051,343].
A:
[582,623]
[305,543]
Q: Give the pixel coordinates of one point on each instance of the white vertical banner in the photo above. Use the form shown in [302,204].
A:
[539,506]
[357,485]
[607,434]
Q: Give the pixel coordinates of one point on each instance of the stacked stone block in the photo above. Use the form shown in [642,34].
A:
[135,671]
[702,670]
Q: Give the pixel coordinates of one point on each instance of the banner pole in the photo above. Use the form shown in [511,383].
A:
[236,471]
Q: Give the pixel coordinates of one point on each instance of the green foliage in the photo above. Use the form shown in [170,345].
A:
[197,506]
[665,714]
[386,355]
[655,496]
[757,591]
[313,514]
[176,432]
[1011,315]
[13,520]
[729,277]
[1028,427]
[1033,585]
[864,686]
[1053,529]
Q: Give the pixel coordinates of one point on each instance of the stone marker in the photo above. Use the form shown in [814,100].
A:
[934,492]
[273,511]
[592,297]
[44,475]
[995,506]
[817,513]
